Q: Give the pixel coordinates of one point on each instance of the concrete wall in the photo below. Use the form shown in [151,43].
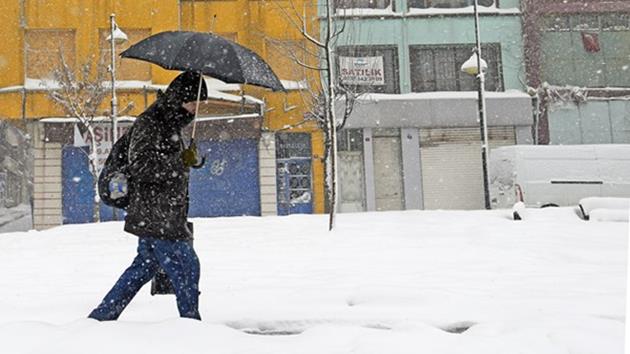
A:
[418,110]
[593,122]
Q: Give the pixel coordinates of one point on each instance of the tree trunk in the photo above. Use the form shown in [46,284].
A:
[93,159]
[331,122]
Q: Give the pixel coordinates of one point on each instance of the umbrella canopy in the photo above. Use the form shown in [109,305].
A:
[207,53]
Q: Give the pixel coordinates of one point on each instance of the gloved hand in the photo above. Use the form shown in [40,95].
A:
[191,157]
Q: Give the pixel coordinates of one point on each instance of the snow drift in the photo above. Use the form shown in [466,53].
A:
[393,282]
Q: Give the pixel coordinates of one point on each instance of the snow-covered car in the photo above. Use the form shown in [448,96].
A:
[558,175]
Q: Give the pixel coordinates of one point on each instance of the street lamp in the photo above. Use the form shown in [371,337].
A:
[116,36]
[477,66]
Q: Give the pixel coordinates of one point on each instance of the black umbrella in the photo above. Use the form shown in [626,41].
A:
[206,53]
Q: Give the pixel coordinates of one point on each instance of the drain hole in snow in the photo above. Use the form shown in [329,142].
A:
[458,327]
[273,328]
[272,332]
[377,326]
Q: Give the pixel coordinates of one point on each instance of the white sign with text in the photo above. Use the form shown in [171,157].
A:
[102,137]
[361,70]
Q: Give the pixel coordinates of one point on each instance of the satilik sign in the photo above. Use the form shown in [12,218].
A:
[102,138]
[361,70]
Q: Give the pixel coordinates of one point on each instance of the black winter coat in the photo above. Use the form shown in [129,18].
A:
[158,178]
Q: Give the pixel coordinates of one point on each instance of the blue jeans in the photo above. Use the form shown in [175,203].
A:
[181,265]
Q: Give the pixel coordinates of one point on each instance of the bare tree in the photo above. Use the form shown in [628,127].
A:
[80,94]
[322,89]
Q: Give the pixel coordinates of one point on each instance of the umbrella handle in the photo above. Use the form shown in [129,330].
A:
[189,156]
[197,105]
[200,164]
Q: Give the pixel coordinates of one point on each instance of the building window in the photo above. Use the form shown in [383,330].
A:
[364,69]
[448,4]
[45,49]
[350,140]
[438,67]
[588,50]
[362,4]
[294,173]
[126,69]
[587,22]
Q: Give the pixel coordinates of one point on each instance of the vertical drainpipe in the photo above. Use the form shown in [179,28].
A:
[24,53]
[192,14]
[179,14]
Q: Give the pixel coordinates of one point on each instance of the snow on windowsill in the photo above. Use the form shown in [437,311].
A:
[41,84]
[129,119]
[375,97]
[44,84]
[358,12]
[366,12]
[464,11]
[49,84]
[212,84]
[218,85]
[215,94]
[218,95]
[99,119]
[128,84]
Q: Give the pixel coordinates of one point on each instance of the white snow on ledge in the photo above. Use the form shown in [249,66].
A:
[41,84]
[128,84]
[48,84]
[99,119]
[10,89]
[218,85]
[294,85]
[366,12]
[491,10]
[212,84]
[375,97]
[464,11]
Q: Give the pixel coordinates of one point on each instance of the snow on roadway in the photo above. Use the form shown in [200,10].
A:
[390,282]
[16,219]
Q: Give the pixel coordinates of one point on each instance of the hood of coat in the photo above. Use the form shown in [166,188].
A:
[181,90]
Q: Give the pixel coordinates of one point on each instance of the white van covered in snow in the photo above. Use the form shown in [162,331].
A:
[557,175]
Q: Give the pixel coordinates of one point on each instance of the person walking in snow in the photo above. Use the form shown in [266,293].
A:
[158,202]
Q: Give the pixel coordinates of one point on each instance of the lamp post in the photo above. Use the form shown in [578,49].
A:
[476,66]
[116,36]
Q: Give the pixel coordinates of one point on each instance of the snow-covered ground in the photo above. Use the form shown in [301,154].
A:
[391,282]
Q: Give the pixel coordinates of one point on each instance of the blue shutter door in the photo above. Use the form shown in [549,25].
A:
[227,185]
[77,190]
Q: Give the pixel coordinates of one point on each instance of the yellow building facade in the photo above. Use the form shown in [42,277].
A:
[39,35]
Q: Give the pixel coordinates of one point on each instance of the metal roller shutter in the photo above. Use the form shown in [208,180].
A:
[228,183]
[451,165]
[388,181]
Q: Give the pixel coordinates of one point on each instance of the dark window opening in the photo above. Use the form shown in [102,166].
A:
[438,67]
